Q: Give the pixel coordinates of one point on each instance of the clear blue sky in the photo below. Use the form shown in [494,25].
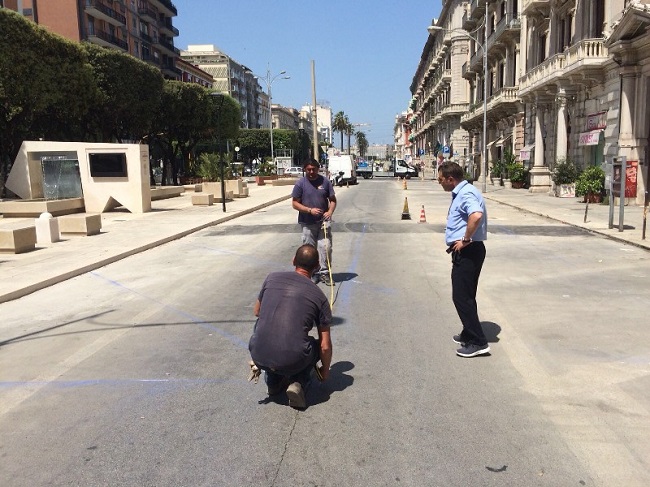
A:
[365,51]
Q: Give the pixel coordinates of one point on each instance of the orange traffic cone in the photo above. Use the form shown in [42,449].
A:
[405,212]
[404,184]
[423,217]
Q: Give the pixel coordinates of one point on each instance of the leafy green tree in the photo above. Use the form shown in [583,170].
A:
[362,143]
[349,130]
[46,87]
[129,95]
[340,125]
[254,143]
[189,114]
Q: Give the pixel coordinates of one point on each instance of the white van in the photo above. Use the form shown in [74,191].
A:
[403,170]
[342,170]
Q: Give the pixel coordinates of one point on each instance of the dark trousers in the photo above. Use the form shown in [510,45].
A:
[465,271]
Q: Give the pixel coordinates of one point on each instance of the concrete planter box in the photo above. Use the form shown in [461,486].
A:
[261,180]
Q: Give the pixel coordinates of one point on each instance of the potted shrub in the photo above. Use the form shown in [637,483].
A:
[265,172]
[517,175]
[496,172]
[564,176]
[590,184]
[508,163]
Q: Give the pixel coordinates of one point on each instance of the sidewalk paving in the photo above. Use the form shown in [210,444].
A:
[572,211]
[125,234]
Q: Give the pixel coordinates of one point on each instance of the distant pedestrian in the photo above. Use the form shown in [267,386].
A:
[314,199]
[288,307]
[465,233]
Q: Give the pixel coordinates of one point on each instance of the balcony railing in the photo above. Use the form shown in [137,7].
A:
[166,25]
[477,8]
[585,52]
[168,45]
[544,73]
[146,37]
[110,38]
[168,5]
[455,109]
[147,13]
[588,54]
[507,94]
[535,3]
[508,23]
[104,12]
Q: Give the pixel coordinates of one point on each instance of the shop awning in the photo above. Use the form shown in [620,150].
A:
[590,138]
[500,141]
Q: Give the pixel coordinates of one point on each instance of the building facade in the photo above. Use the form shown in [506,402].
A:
[232,78]
[193,74]
[142,28]
[563,80]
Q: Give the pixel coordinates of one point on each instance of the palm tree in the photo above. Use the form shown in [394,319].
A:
[362,143]
[349,129]
[340,125]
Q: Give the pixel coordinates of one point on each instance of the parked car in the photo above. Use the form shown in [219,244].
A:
[295,171]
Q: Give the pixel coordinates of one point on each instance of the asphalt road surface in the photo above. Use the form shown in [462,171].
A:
[135,374]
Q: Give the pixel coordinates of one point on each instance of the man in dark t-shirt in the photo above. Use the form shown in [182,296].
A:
[313,197]
[288,307]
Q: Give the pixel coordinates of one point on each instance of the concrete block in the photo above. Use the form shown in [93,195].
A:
[17,239]
[81,224]
[284,182]
[197,188]
[202,199]
[47,229]
[229,197]
[165,192]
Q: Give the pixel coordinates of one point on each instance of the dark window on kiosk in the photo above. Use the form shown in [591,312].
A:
[107,165]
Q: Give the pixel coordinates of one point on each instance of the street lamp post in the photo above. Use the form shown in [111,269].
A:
[268,80]
[434,28]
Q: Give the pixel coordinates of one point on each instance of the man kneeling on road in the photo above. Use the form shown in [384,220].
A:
[288,307]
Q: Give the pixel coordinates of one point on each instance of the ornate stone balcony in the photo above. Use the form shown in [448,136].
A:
[580,63]
[531,5]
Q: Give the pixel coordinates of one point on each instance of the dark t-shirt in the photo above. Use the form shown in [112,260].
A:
[291,304]
[313,194]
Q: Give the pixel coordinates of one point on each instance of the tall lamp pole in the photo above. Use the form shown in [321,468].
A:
[434,28]
[269,79]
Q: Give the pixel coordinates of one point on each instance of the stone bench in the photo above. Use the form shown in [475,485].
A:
[17,239]
[239,187]
[164,192]
[229,197]
[202,199]
[284,182]
[34,208]
[81,224]
[197,188]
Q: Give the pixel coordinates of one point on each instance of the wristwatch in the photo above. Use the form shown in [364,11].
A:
[465,240]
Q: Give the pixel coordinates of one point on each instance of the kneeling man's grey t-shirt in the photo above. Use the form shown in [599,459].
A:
[291,304]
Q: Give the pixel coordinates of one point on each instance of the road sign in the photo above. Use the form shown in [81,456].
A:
[445,150]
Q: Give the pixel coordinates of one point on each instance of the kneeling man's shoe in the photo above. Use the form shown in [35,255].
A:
[296,396]
[471,350]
